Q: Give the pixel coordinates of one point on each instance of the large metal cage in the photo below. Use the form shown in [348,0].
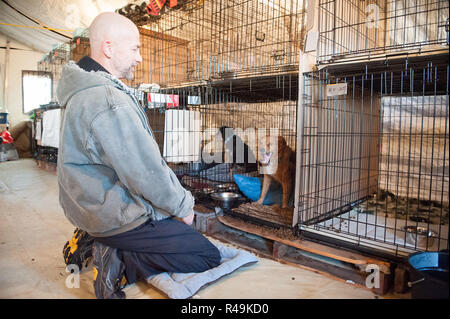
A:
[371,27]
[190,134]
[374,157]
[223,39]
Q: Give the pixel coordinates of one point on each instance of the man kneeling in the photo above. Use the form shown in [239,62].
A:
[113,182]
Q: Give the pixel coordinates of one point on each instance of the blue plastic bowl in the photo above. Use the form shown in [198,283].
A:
[429,275]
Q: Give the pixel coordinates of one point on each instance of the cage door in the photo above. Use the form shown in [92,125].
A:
[339,148]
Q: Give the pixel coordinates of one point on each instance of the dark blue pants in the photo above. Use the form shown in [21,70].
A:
[160,246]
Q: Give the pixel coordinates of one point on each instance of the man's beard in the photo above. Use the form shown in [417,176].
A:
[129,75]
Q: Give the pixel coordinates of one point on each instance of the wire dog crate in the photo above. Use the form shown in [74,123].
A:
[53,62]
[374,154]
[190,132]
[225,39]
[370,27]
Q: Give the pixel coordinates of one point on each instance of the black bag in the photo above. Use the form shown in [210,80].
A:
[78,249]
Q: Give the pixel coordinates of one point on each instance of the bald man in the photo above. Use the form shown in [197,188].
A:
[113,182]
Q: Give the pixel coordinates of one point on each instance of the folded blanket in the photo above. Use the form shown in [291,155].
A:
[182,286]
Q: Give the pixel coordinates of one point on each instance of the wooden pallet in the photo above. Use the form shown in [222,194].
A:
[315,248]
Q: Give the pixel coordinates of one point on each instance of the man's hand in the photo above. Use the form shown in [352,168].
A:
[188,220]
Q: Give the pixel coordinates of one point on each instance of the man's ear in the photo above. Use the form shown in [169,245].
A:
[107,48]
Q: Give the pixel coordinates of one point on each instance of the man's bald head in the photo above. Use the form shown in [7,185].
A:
[114,43]
[109,26]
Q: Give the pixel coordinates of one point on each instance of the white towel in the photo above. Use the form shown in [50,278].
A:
[38,130]
[51,121]
[182,136]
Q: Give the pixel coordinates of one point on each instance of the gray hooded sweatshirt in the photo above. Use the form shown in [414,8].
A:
[111,175]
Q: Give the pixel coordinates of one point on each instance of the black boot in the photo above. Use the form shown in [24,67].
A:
[108,272]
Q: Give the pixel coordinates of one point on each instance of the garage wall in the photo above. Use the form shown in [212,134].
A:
[24,58]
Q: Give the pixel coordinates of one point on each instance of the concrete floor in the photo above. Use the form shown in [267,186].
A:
[33,231]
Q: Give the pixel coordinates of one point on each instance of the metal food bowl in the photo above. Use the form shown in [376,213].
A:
[419,236]
[226,199]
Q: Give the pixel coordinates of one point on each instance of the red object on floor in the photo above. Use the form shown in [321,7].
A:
[7,138]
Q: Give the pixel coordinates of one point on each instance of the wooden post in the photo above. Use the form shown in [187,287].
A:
[401,279]
[5,77]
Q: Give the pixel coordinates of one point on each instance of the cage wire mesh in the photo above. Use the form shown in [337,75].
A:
[53,62]
[362,27]
[374,157]
[215,40]
[191,139]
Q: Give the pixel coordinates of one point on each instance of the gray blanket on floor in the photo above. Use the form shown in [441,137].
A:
[182,286]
